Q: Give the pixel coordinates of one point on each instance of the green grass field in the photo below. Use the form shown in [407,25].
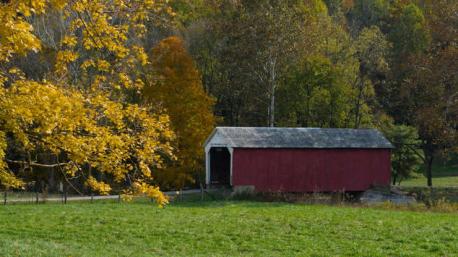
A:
[443,176]
[219,228]
[449,181]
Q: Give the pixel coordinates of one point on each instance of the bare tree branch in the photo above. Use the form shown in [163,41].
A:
[41,165]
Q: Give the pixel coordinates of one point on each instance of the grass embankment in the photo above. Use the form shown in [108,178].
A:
[219,228]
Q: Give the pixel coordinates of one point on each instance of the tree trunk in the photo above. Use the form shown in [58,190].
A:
[272,108]
[358,103]
[429,172]
[273,87]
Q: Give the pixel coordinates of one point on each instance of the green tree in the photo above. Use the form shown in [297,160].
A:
[367,13]
[433,103]
[405,157]
[253,43]
[371,50]
[316,95]
[409,33]
[430,88]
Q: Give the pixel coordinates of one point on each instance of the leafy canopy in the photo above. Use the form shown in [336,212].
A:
[178,89]
[81,113]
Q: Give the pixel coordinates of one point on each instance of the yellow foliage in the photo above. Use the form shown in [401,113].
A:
[140,54]
[58,4]
[89,129]
[95,26]
[69,41]
[15,33]
[103,65]
[63,58]
[127,197]
[7,179]
[97,186]
[152,192]
[78,116]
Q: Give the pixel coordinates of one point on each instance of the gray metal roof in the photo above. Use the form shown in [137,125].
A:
[263,137]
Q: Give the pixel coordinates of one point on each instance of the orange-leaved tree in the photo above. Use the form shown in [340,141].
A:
[175,85]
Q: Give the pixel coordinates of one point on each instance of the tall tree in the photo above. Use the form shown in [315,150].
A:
[405,157]
[408,32]
[255,42]
[176,86]
[367,13]
[81,114]
[371,50]
[278,30]
[316,94]
[431,88]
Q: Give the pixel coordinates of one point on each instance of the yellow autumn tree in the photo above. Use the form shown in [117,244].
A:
[81,113]
[175,85]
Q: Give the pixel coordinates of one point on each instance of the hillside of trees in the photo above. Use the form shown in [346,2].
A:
[386,64]
[119,95]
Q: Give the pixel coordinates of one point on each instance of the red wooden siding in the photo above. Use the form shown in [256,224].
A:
[309,170]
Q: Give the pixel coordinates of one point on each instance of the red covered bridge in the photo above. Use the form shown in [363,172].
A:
[297,159]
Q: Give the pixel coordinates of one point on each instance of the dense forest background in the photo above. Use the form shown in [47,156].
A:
[124,91]
[388,64]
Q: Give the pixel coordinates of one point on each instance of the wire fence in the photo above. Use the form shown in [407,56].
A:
[10,197]
[27,197]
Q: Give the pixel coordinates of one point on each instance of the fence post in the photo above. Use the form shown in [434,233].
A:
[4,197]
[119,197]
[201,192]
[65,194]
[92,197]
[61,190]
[36,196]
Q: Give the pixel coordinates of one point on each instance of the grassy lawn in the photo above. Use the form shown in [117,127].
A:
[443,176]
[445,170]
[450,181]
[218,228]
